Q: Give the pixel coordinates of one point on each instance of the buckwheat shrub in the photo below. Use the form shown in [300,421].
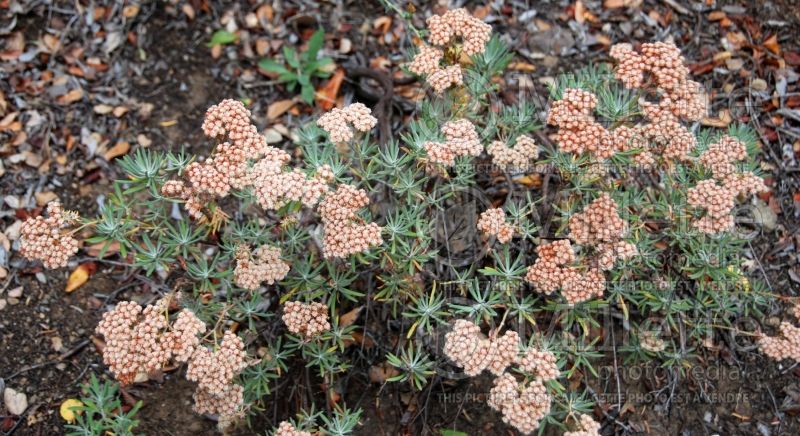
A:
[461,140]
[214,372]
[493,222]
[307,320]
[45,239]
[541,363]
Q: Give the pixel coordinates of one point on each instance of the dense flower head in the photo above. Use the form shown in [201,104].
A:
[43,239]
[493,222]
[579,286]
[717,201]
[461,139]
[518,157]
[547,274]
[578,132]
[337,122]
[214,372]
[523,407]
[263,265]
[599,222]
[345,234]
[426,60]
[306,319]
[785,346]
[138,341]
[471,350]
[540,363]
[443,78]
[586,426]
[227,404]
[473,32]
[285,428]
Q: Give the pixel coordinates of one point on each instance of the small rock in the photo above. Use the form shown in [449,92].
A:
[57,343]
[734,64]
[3,303]
[12,201]
[16,402]
[13,301]
[759,84]
[16,292]
[272,136]
[42,198]
[345,45]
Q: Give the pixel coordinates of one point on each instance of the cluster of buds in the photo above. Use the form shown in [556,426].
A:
[649,341]
[461,139]
[717,195]
[519,157]
[785,346]
[442,30]
[285,428]
[308,320]
[554,270]
[468,348]
[43,238]
[586,426]
[578,132]
[229,168]
[214,372]
[599,225]
[523,405]
[345,232]
[337,122]
[263,265]
[680,98]
[140,341]
[493,222]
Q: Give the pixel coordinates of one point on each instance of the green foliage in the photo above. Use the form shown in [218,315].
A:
[102,412]
[221,37]
[299,69]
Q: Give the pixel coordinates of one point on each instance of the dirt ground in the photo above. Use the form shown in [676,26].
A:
[164,74]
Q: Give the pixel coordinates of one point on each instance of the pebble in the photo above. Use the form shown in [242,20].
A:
[759,84]
[3,303]
[16,292]
[16,402]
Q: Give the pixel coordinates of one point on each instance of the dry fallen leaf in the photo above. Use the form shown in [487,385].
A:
[772,44]
[278,108]
[326,95]
[723,120]
[119,149]
[42,198]
[70,97]
[380,373]
[350,317]
[79,276]
[66,409]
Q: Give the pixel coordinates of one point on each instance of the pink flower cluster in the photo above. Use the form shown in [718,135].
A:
[42,238]
[680,98]
[717,195]
[214,372]
[785,346]
[442,30]
[587,426]
[597,226]
[524,151]
[345,233]
[523,405]
[468,348]
[493,222]
[337,122]
[461,139]
[308,320]
[229,167]
[285,428]
[140,341]
[264,265]
[578,132]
